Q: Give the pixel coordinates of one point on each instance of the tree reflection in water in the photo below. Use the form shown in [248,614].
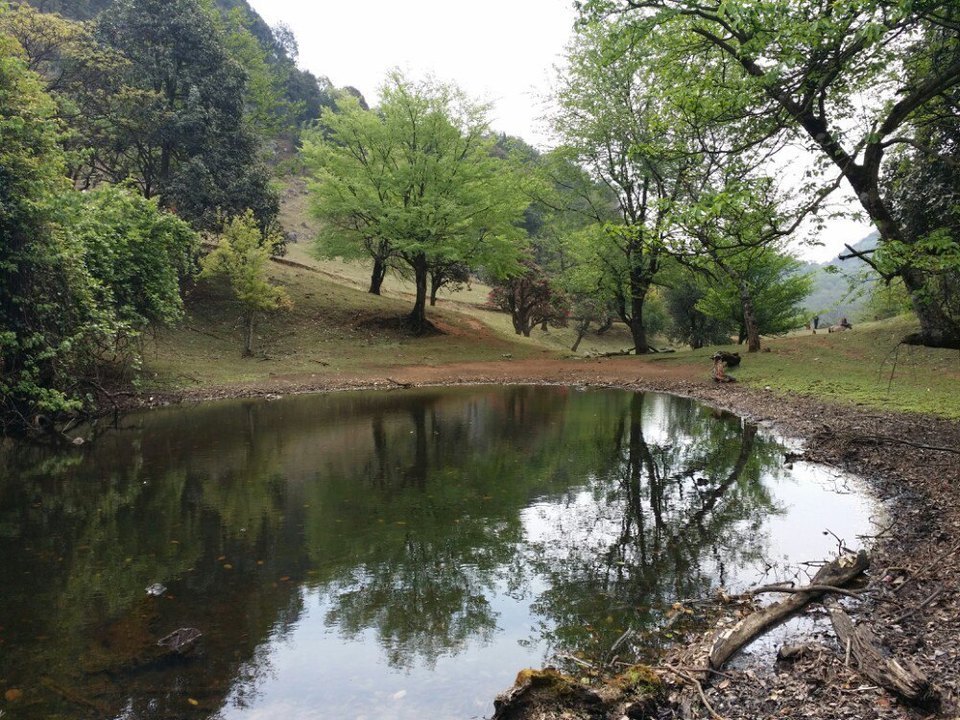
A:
[411,520]
[664,524]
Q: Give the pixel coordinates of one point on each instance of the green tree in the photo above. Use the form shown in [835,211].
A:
[139,255]
[268,109]
[776,290]
[47,315]
[610,122]
[174,116]
[735,228]
[802,69]
[531,300]
[417,181]
[688,323]
[241,257]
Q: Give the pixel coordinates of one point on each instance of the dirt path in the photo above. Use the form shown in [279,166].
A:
[912,462]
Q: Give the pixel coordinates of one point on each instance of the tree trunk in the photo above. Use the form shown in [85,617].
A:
[749,319]
[377,276]
[639,286]
[418,316]
[435,283]
[639,334]
[605,325]
[582,328]
[937,328]
[248,335]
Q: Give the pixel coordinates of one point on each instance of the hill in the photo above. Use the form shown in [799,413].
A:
[301,88]
[841,287]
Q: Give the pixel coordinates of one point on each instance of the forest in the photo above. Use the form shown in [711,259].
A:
[144,146]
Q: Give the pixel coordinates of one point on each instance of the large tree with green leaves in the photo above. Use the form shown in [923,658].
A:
[181,127]
[611,124]
[45,298]
[731,223]
[850,79]
[417,181]
[776,288]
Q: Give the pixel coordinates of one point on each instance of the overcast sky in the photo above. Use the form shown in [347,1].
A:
[502,51]
[496,50]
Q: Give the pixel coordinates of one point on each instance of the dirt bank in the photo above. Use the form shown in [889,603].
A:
[912,461]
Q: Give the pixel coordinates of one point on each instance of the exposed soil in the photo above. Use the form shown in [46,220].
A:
[912,462]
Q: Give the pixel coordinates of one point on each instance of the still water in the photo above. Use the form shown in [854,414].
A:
[382,555]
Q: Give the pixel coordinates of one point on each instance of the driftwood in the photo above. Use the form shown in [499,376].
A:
[180,642]
[900,677]
[835,574]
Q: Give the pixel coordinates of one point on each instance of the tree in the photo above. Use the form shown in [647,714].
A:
[241,257]
[81,274]
[531,300]
[450,275]
[688,323]
[267,108]
[610,123]
[417,180]
[776,289]
[170,113]
[802,69]
[734,226]
[45,303]
[139,255]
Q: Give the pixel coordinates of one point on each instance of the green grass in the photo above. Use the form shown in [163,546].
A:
[333,329]
[337,329]
[863,366]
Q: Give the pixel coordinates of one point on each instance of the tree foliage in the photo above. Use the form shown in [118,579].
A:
[139,256]
[611,125]
[531,299]
[81,274]
[45,304]
[241,258]
[417,180]
[688,323]
[776,289]
[181,130]
[850,80]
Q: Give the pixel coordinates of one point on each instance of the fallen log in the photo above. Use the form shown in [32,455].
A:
[834,574]
[900,677]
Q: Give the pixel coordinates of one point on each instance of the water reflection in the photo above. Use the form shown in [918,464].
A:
[389,555]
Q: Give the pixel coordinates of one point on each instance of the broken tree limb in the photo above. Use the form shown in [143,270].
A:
[787,589]
[900,677]
[835,574]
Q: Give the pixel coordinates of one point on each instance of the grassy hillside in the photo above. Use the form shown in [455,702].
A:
[333,329]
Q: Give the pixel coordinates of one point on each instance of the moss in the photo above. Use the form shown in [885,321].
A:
[548,678]
[637,677]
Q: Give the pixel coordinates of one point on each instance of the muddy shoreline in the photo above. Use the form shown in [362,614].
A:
[910,461]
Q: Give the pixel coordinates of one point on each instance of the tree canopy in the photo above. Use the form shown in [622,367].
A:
[417,181]
[850,81]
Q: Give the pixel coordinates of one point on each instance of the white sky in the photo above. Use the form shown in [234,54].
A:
[501,51]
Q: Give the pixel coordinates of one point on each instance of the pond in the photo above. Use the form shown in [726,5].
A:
[383,555]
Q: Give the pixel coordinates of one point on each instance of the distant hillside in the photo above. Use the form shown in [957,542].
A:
[302,87]
[841,287]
